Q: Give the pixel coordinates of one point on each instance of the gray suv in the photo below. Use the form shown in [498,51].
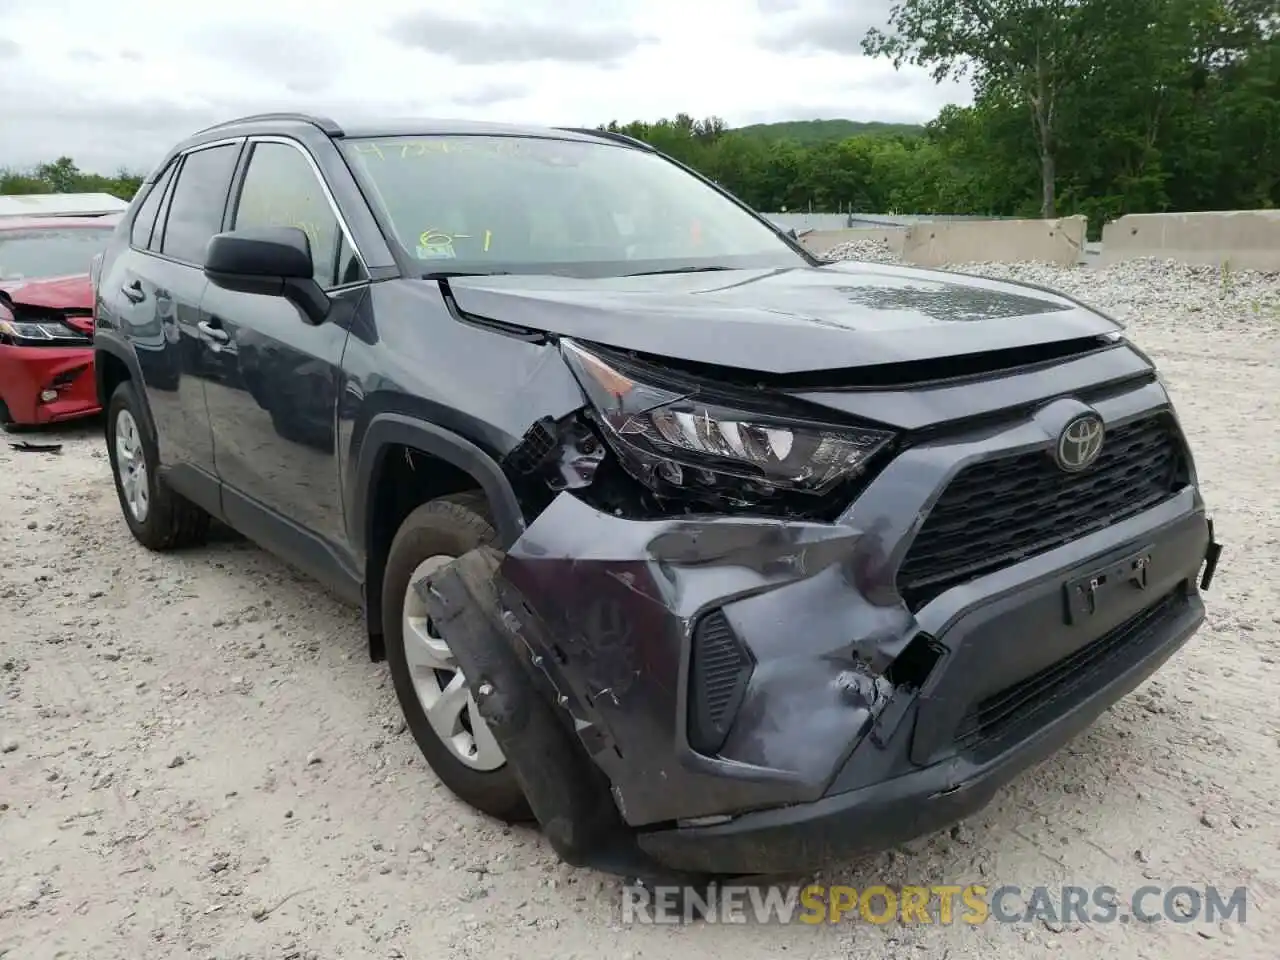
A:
[710,557]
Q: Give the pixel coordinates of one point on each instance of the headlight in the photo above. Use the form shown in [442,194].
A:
[43,333]
[673,436]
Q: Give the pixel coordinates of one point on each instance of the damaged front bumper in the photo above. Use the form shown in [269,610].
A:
[750,708]
[47,384]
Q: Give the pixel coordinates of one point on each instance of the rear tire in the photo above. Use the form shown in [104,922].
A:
[448,527]
[158,518]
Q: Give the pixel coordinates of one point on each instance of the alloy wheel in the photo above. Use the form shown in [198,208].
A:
[440,685]
[131,465]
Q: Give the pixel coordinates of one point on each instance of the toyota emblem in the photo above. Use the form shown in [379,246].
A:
[1080,442]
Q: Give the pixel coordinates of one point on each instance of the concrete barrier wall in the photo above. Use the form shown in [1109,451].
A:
[1001,241]
[943,242]
[1241,239]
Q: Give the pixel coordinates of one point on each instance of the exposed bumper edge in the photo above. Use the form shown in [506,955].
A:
[798,838]
[1212,553]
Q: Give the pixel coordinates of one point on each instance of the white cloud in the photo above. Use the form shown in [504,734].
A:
[118,88]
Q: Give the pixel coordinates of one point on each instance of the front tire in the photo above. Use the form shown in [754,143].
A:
[438,708]
[158,518]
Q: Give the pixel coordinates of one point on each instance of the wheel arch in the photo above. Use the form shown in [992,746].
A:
[113,364]
[453,464]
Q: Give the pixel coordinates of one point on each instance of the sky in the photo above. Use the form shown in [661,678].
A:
[116,84]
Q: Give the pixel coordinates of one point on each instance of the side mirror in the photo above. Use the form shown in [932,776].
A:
[791,232]
[270,261]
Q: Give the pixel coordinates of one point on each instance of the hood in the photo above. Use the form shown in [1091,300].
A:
[55,293]
[794,320]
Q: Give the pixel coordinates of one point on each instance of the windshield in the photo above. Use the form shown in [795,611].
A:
[39,254]
[497,204]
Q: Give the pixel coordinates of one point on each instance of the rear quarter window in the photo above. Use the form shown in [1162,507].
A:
[144,223]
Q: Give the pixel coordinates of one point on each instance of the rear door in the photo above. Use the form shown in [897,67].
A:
[132,291]
[157,286]
[273,402]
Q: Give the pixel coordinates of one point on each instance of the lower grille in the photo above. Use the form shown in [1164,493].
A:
[719,669]
[1001,712]
[998,512]
[67,377]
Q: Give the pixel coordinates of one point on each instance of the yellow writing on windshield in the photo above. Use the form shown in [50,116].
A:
[438,243]
[419,148]
[406,149]
[430,238]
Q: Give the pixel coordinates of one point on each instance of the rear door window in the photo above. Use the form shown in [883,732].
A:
[199,201]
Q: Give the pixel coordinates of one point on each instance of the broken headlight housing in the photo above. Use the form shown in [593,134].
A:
[669,436]
[43,333]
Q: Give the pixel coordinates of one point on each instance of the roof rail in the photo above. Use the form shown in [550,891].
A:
[608,135]
[329,127]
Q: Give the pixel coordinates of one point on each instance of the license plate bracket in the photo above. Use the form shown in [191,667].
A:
[1087,595]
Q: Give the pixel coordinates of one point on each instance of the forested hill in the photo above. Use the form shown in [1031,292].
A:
[826,131]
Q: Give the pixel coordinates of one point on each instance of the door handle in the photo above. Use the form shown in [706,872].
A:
[133,292]
[216,334]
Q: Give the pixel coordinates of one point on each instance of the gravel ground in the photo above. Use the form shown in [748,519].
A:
[199,761]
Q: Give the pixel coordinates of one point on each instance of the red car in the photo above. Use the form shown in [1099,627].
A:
[46,317]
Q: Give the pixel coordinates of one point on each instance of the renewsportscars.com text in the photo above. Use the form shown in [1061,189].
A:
[938,904]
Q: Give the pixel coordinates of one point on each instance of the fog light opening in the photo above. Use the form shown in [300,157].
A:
[48,396]
[65,379]
[912,667]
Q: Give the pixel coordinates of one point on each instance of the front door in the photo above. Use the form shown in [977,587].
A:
[273,399]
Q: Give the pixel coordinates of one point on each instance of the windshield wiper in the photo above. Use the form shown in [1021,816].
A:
[446,274]
[655,273]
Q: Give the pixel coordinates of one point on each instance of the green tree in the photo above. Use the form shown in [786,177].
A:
[1031,49]
[62,175]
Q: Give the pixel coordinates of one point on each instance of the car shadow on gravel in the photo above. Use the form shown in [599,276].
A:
[72,430]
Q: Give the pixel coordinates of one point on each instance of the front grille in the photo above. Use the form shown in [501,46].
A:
[998,512]
[1003,712]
